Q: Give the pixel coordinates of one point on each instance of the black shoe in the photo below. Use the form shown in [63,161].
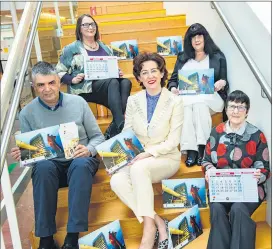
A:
[111,131]
[191,158]
[201,150]
[54,246]
[69,246]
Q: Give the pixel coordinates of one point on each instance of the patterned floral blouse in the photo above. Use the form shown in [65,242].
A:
[247,148]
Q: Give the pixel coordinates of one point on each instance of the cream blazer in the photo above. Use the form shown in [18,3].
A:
[162,135]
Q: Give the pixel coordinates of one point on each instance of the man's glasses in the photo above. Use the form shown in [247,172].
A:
[87,25]
[145,73]
[240,108]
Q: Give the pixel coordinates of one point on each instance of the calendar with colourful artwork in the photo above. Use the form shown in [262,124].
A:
[47,143]
[100,67]
[195,82]
[233,185]
[169,45]
[184,193]
[185,228]
[106,237]
[125,49]
[119,151]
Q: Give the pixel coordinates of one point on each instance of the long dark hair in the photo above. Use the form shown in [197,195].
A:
[209,46]
[78,28]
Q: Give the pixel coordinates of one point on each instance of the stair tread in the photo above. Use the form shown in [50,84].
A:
[102,176]
[105,212]
[263,239]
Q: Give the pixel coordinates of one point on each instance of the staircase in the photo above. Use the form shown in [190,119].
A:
[143,21]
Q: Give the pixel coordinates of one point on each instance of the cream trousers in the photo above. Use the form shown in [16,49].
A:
[133,184]
[196,127]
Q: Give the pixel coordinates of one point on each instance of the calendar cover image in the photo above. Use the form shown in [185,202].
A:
[47,143]
[184,193]
[185,228]
[169,45]
[194,82]
[119,150]
[107,237]
[125,49]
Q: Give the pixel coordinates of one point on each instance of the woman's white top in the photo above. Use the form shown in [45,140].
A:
[214,101]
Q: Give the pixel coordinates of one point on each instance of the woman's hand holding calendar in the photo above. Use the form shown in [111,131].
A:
[257,174]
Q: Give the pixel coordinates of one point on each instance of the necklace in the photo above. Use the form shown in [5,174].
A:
[92,48]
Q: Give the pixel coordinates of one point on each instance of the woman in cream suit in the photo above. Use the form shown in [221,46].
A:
[156,117]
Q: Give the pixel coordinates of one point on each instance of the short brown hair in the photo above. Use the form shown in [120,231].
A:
[78,28]
[158,59]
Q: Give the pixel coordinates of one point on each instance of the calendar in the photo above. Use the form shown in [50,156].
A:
[100,67]
[233,185]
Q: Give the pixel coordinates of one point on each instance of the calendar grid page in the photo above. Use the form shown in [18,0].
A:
[100,67]
[233,185]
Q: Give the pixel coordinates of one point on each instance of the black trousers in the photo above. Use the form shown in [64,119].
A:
[111,93]
[232,226]
[47,177]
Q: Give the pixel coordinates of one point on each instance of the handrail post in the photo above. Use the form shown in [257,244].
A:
[10,208]
[14,16]
[258,75]
[38,47]
[71,12]
[6,133]
[59,26]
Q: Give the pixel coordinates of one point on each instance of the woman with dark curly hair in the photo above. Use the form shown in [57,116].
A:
[156,117]
[200,52]
[112,93]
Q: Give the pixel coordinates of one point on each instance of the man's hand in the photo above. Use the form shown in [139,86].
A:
[78,78]
[175,91]
[16,153]
[81,151]
[120,73]
[140,157]
[257,175]
[220,84]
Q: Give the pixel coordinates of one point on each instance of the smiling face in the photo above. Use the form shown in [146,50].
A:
[198,43]
[237,113]
[88,31]
[47,87]
[150,76]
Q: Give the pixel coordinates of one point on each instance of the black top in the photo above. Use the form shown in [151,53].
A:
[217,61]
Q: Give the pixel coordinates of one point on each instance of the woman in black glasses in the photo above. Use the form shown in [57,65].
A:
[200,53]
[236,144]
[111,93]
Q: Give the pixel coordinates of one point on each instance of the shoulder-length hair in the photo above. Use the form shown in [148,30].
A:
[209,46]
[146,56]
[78,28]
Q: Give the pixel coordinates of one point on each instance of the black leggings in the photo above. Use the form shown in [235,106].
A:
[111,93]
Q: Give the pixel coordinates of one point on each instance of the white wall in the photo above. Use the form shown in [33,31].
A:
[257,41]
[263,11]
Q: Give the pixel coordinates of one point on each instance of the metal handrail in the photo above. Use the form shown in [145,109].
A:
[258,75]
[7,129]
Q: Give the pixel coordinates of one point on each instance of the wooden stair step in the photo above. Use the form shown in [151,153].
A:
[130,16]
[105,212]
[141,36]
[132,232]
[120,7]
[135,24]
[101,191]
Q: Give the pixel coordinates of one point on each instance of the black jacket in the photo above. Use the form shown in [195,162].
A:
[217,61]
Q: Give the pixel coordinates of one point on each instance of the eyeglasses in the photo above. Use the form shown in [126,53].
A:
[153,72]
[87,25]
[240,108]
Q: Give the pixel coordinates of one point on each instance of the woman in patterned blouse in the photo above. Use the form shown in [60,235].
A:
[236,144]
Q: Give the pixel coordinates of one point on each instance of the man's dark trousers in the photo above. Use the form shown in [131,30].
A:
[47,177]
